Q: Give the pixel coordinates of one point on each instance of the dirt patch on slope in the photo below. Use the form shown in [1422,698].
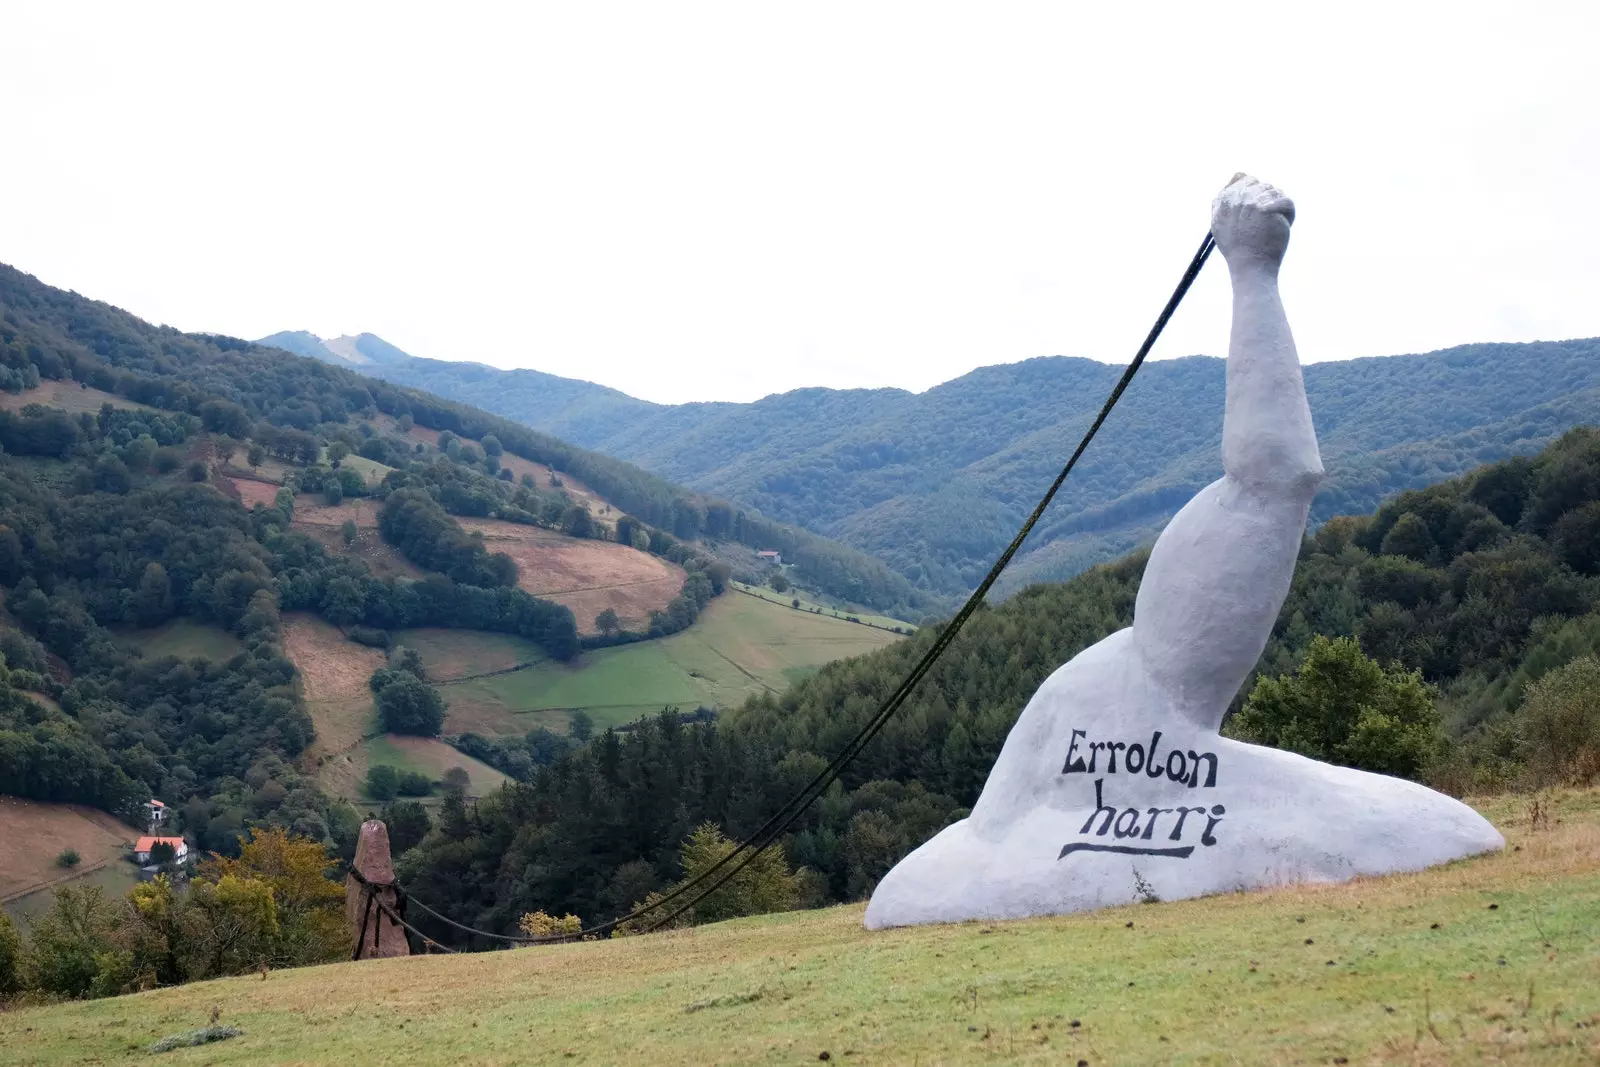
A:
[586,576]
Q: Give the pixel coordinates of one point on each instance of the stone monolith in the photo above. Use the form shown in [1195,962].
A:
[372,932]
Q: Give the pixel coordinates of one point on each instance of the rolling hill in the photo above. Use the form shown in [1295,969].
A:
[935,483]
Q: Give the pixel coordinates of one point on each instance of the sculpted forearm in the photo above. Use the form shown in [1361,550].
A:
[1267,436]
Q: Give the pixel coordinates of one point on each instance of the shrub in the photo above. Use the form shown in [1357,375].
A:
[415,784]
[204,1036]
[69,858]
[383,782]
[456,780]
[197,471]
[409,660]
[1341,706]
[1559,728]
[408,824]
[370,636]
[407,706]
[539,924]
[348,531]
[10,955]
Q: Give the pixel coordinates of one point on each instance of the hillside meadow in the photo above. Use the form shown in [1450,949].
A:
[34,833]
[1488,960]
[739,647]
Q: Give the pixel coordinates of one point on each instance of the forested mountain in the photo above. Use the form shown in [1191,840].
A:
[1487,587]
[56,331]
[936,482]
[115,516]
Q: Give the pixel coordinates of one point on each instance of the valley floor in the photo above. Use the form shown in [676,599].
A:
[1484,961]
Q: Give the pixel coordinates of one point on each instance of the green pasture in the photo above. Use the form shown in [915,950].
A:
[808,605]
[116,878]
[345,775]
[738,648]
[448,654]
[185,639]
[1489,960]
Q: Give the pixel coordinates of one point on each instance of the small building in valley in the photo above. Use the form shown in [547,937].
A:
[768,555]
[143,847]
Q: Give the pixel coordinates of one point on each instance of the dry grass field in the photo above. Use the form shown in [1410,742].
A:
[252,492]
[334,673]
[309,510]
[68,395]
[1490,960]
[384,559]
[33,834]
[587,576]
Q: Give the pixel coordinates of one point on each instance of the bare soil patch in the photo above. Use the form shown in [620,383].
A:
[586,576]
[334,673]
[252,492]
[33,834]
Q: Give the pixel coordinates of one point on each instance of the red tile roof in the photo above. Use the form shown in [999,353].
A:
[145,844]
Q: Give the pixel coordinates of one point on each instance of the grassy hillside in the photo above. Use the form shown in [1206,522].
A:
[185,639]
[740,647]
[34,833]
[343,774]
[1489,960]
[70,396]
[937,482]
[587,576]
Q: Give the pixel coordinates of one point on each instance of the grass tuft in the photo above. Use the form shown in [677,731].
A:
[203,1036]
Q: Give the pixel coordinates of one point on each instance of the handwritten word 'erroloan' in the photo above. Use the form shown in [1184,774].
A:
[1131,825]
[1179,765]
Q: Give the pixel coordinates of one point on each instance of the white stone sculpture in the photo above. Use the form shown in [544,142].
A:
[1115,783]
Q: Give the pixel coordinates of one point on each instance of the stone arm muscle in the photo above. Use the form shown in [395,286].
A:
[1221,569]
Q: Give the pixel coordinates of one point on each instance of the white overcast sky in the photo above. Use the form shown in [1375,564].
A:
[719,201]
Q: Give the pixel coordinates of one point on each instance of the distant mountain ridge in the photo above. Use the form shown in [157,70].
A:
[936,482]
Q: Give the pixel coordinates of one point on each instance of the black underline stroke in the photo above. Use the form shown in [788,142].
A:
[1127,850]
